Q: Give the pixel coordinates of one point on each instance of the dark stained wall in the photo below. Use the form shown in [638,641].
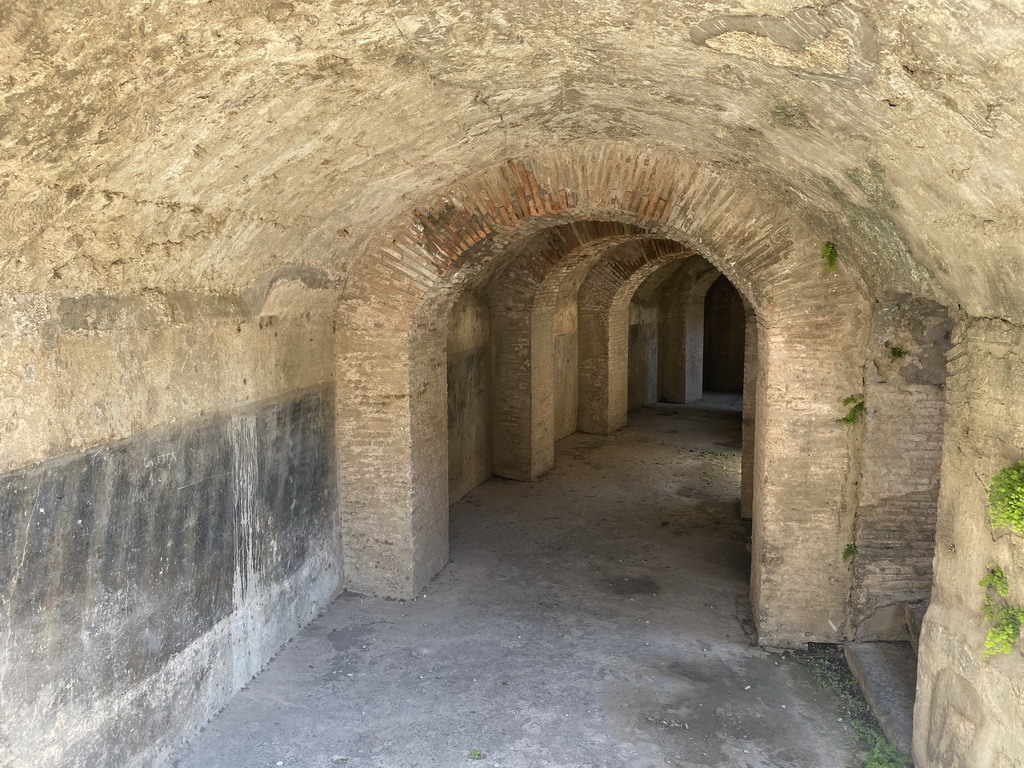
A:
[149,579]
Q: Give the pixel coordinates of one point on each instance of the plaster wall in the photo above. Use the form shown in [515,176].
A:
[168,514]
[79,371]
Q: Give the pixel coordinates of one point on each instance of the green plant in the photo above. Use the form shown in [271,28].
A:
[476,754]
[849,551]
[833,676]
[830,255]
[1006,619]
[1005,510]
[898,352]
[1006,498]
[1005,631]
[857,409]
[996,579]
[883,754]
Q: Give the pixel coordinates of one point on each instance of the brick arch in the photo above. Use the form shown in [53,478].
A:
[604,330]
[523,298]
[390,377]
[681,370]
[406,268]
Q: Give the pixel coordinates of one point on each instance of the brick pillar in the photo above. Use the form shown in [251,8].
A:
[523,404]
[749,411]
[801,477]
[681,359]
[603,311]
[603,355]
[392,451]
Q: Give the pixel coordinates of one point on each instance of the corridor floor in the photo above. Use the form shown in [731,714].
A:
[596,618]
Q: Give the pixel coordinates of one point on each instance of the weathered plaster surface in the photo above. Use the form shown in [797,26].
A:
[179,145]
[147,580]
[80,371]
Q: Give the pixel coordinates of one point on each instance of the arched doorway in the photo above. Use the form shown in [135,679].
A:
[393,354]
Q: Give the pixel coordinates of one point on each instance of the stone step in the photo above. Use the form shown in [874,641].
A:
[887,673]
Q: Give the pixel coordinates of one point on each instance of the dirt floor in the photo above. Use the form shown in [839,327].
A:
[596,618]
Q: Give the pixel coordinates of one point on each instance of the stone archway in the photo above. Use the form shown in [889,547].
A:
[523,301]
[604,332]
[391,405]
[682,322]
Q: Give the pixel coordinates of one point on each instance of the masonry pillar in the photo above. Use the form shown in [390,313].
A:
[603,356]
[749,412]
[681,359]
[802,475]
[392,451]
[524,386]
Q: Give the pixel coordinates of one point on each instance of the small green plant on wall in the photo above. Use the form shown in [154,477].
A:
[1005,630]
[1006,619]
[898,352]
[830,256]
[857,409]
[1006,511]
[995,579]
[1006,498]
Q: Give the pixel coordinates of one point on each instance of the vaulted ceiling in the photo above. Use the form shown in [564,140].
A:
[184,145]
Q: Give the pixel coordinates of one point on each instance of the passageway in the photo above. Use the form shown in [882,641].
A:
[598,617]
[282,281]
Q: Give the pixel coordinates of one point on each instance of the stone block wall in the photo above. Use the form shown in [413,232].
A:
[969,710]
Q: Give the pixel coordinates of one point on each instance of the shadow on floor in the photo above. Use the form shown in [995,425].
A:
[598,617]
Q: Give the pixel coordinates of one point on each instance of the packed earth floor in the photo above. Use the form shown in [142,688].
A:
[597,618]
